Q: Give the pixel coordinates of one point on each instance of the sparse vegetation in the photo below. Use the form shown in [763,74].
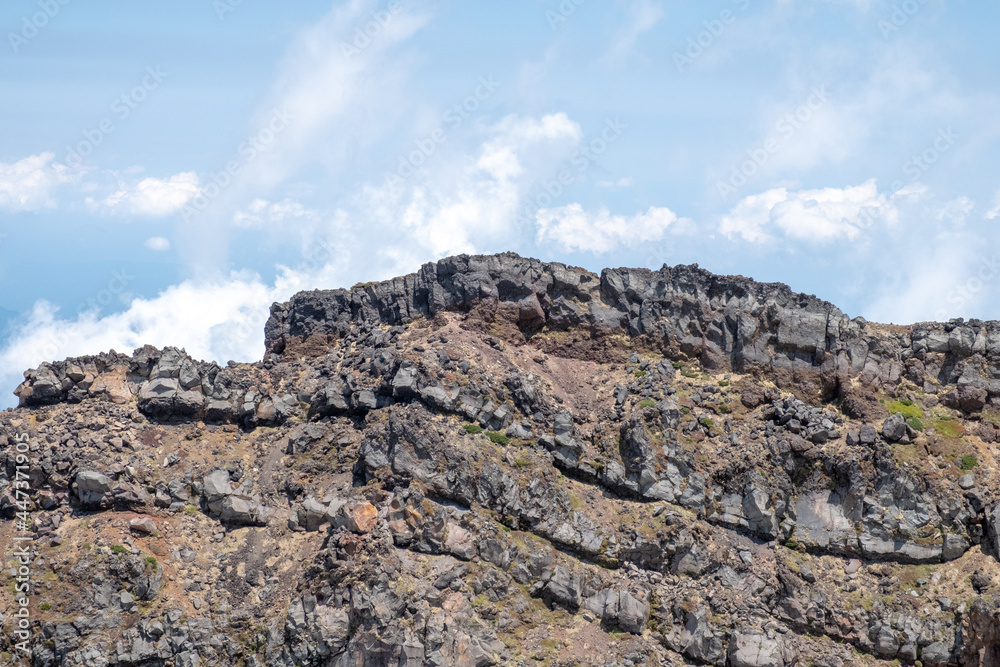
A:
[911,575]
[574,501]
[639,373]
[968,462]
[119,549]
[706,422]
[152,563]
[647,403]
[473,428]
[498,438]
[723,383]
[948,427]
[45,606]
[677,365]
[522,462]
[906,454]
[915,423]
[689,374]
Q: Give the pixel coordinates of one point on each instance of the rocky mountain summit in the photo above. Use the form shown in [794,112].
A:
[500,461]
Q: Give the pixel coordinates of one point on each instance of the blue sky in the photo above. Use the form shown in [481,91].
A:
[168,170]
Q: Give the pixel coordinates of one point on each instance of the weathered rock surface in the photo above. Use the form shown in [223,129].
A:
[499,461]
[724,322]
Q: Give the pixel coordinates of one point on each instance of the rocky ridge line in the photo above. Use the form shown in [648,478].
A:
[726,323]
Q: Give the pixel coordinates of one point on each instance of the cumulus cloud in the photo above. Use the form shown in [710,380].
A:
[221,319]
[30,184]
[816,216]
[157,243]
[152,197]
[468,203]
[518,139]
[575,229]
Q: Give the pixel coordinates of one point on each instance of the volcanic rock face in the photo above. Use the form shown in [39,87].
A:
[499,461]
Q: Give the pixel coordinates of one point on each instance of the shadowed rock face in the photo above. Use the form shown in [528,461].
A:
[500,461]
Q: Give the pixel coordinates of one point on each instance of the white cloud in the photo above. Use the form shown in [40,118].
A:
[330,81]
[219,319]
[956,211]
[152,197]
[615,185]
[751,215]
[467,203]
[994,211]
[864,6]
[518,139]
[30,184]
[452,205]
[939,280]
[872,96]
[262,213]
[515,133]
[952,269]
[643,15]
[817,216]
[342,92]
[157,243]
[575,229]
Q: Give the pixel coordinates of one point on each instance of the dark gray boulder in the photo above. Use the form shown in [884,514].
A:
[894,428]
[92,488]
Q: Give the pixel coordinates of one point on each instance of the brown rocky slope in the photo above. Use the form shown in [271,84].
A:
[499,461]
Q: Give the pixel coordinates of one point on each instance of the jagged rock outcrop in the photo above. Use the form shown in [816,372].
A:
[724,322]
[499,461]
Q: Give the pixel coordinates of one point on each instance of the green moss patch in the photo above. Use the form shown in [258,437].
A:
[949,428]
[906,408]
[497,437]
